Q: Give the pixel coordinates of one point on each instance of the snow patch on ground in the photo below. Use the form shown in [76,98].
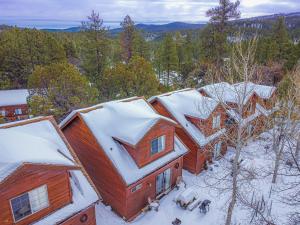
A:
[256,155]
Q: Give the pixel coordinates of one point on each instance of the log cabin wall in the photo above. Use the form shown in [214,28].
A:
[99,167]
[10,114]
[139,199]
[85,217]
[28,178]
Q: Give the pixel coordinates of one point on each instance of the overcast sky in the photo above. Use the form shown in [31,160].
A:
[65,13]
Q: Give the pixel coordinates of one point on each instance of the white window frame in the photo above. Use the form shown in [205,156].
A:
[216,121]
[31,196]
[161,144]
[218,149]
[18,111]
[136,188]
[3,112]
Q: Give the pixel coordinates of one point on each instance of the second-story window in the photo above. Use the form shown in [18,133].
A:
[29,203]
[158,145]
[3,113]
[18,111]
[217,121]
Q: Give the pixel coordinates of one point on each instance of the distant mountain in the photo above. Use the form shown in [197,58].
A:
[148,28]
[68,30]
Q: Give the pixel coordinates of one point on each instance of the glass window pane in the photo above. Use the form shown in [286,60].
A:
[21,206]
[38,198]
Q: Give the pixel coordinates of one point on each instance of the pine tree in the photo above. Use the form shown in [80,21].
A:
[169,57]
[127,38]
[57,89]
[219,19]
[23,49]
[96,47]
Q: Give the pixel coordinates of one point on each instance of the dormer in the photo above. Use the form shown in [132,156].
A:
[157,142]
[212,124]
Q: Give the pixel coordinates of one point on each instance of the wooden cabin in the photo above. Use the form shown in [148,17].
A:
[13,105]
[130,152]
[246,94]
[202,125]
[41,179]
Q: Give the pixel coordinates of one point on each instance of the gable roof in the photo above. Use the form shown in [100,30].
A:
[190,102]
[13,97]
[227,93]
[37,141]
[263,91]
[126,120]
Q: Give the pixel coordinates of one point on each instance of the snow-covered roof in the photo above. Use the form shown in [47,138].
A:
[262,91]
[36,141]
[190,103]
[13,97]
[127,121]
[266,112]
[243,121]
[228,93]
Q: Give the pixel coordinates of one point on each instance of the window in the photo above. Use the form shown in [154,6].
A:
[217,121]
[18,111]
[217,149]
[3,113]
[249,108]
[29,203]
[137,187]
[250,130]
[157,145]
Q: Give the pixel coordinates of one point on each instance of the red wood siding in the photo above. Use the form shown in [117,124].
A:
[75,220]
[105,176]
[206,125]
[30,177]
[139,199]
[196,158]
[10,114]
[142,153]
[99,167]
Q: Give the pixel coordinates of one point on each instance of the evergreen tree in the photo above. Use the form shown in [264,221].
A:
[57,89]
[23,49]
[125,80]
[127,38]
[169,58]
[219,19]
[140,46]
[96,47]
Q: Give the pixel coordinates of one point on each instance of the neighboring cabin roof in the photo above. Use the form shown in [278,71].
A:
[262,91]
[126,120]
[36,141]
[13,97]
[190,102]
[227,93]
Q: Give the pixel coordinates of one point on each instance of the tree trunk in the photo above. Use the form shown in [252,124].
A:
[235,172]
[297,149]
[277,161]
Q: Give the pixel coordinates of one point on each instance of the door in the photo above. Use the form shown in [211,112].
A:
[163,182]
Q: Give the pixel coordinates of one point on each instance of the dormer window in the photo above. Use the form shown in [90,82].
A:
[158,145]
[29,203]
[217,121]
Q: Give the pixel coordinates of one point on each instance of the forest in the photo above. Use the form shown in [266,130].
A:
[64,71]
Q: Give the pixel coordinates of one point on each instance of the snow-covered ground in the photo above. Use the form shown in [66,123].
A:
[256,156]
